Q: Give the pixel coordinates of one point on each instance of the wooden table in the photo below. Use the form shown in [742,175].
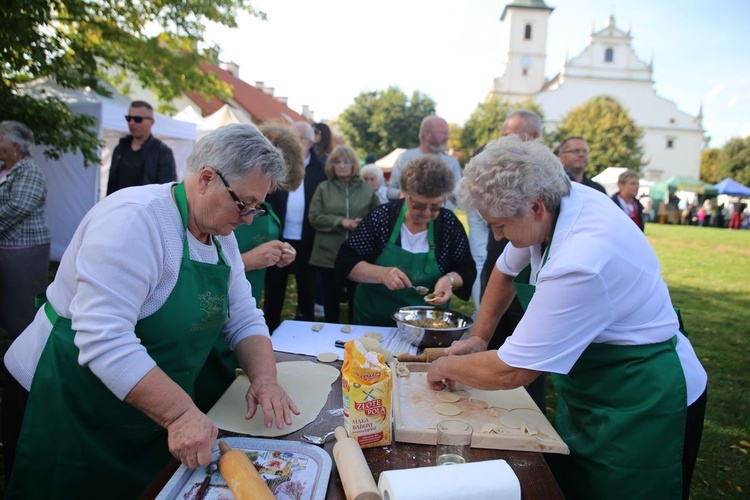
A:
[537,481]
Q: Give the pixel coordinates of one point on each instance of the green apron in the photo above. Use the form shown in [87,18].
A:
[621,410]
[262,230]
[79,440]
[218,372]
[375,303]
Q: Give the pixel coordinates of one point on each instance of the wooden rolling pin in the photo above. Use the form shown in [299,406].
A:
[240,474]
[353,469]
[429,354]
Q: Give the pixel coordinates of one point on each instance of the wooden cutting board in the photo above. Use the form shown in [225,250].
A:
[415,417]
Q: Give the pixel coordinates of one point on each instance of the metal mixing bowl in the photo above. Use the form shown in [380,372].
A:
[421,336]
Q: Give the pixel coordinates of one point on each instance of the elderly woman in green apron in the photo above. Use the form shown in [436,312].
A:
[260,248]
[151,278]
[413,241]
[598,317]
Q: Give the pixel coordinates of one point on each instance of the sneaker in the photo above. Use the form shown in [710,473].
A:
[319,312]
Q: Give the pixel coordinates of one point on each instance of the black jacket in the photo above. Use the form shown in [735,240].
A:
[314,175]
[158,163]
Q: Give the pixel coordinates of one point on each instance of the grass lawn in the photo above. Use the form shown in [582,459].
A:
[708,273]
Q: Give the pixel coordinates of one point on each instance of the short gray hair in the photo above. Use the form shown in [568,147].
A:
[19,134]
[371,169]
[509,175]
[237,150]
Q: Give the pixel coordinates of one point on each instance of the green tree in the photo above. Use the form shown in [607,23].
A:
[486,122]
[734,160]
[81,43]
[381,121]
[709,165]
[611,134]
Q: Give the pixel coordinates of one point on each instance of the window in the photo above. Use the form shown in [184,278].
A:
[525,71]
[527,32]
[670,142]
[609,55]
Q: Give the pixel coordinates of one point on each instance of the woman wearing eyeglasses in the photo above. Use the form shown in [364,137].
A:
[149,281]
[336,209]
[413,241]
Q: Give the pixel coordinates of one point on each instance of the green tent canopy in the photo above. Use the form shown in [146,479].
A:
[681,183]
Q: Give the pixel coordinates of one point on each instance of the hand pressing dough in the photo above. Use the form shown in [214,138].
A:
[448,397]
[328,357]
[307,383]
[448,409]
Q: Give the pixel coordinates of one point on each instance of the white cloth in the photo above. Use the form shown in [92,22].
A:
[394,180]
[121,266]
[602,283]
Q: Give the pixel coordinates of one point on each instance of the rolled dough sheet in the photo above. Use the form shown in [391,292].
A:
[307,383]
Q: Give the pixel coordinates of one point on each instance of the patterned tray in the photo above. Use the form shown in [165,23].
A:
[292,470]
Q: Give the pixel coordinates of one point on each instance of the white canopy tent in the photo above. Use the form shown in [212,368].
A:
[608,179]
[72,189]
[386,162]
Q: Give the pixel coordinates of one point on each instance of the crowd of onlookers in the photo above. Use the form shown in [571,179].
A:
[733,215]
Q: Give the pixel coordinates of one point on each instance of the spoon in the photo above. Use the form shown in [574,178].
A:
[317,439]
[210,469]
[421,290]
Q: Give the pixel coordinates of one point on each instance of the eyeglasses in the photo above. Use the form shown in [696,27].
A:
[576,151]
[421,207]
[137,119]
[317,132]
[244,211]
[342,162]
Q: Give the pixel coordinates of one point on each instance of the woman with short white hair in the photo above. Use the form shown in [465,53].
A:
[151,278]
[598,317]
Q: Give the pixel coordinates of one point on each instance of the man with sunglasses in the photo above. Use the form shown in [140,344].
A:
[140,158]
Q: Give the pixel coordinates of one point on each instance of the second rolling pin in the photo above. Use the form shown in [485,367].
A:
[353,469]
[429,355]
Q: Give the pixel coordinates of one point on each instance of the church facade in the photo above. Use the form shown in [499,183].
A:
[672,139]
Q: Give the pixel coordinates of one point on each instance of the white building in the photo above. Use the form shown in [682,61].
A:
[672,139]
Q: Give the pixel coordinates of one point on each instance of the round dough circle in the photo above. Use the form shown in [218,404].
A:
[328,357]
[448,397]
[447,409]
[513,421]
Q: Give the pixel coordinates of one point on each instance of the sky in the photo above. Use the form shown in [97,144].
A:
[324,53]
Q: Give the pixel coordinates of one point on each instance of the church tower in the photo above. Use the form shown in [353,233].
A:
[524,51]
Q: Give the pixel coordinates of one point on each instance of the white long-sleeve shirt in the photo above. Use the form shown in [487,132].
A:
[601,283]
[120,267]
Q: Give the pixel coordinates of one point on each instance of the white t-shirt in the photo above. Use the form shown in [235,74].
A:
[121,266]
[601,283]
[295,211]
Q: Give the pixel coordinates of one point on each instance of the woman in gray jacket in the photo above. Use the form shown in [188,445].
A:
[337,207]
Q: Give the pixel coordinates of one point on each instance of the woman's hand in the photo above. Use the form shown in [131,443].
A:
[274,401]
[394,278]
[467,346]
[264,255]
[443,291]
[351,224]
[436,379]
[288,254]
[191,437]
